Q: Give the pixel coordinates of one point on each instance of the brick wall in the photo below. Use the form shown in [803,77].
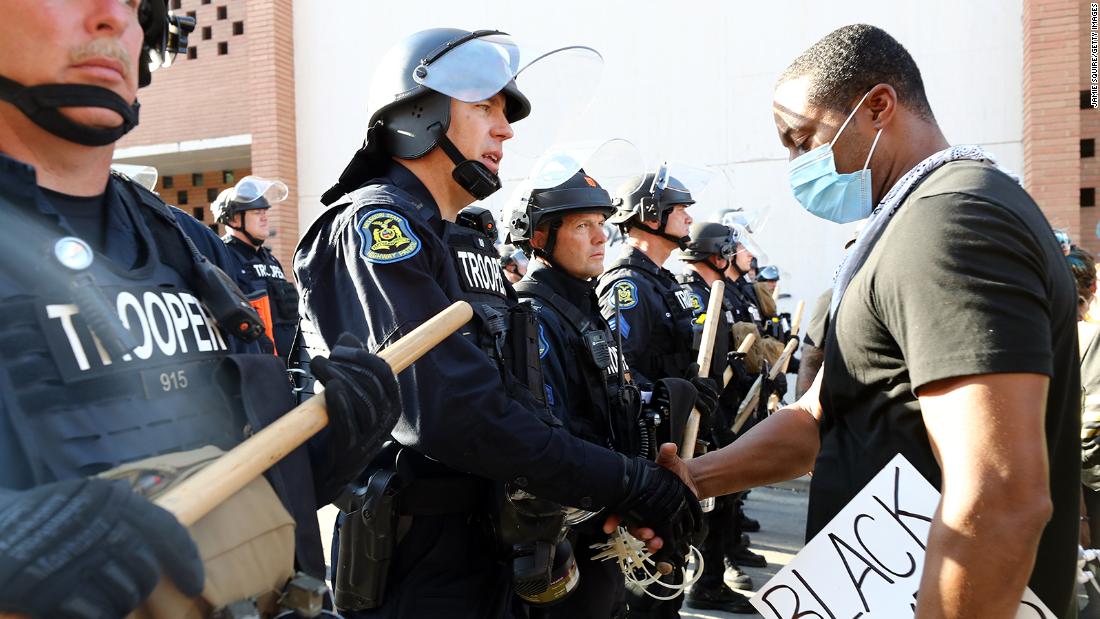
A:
[1054,32]
[238,78]
[203,97]
[271,113]
[198,195]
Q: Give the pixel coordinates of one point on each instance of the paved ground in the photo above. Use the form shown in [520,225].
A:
[781,510]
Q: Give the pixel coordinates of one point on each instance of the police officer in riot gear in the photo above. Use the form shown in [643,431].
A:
[561,228]
[243,210]
[122,339]
[710,249]
[649,311]
[459,482]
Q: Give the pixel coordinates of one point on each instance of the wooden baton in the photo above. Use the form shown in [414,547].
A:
[746,344]
[753,396]
[194,497]
[706,352]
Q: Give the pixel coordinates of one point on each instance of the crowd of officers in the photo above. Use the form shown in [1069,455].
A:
[506,447]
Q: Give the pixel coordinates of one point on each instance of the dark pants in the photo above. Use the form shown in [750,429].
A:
[600,592]
[723,534]
[444,566]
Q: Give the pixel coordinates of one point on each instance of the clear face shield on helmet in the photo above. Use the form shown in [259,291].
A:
[251,188]
[472,69]
[608,162]
[747,243]
[143,175]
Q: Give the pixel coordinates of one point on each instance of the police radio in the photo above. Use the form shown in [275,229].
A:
[480,219]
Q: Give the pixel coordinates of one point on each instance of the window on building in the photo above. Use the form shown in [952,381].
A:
[196,179]
[181,198]
[212,194]
[192,53]
[191,14]
[1088,148]
[227,177]
[223,12]
[206,1]
[238,27]
[199,213]
[1086,100]
[207,33]
[1088,197]
[167,182]
[223,48]
[175,5]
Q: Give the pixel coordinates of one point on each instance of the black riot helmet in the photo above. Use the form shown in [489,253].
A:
[250,193]
[650,198]
[410,102]
[580,193]
[165,36]
[707,239]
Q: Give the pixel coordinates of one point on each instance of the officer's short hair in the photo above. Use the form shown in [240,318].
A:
[851,60]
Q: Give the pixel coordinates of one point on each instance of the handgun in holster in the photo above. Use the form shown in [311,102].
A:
[368,535]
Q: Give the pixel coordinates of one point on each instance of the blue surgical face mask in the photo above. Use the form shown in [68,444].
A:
[841,198]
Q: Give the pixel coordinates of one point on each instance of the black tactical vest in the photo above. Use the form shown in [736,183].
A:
[506,330]
[673,358]
[77,408]
[600,418]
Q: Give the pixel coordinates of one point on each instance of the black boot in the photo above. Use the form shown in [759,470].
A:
[743,556]
[751,525]
[722,598]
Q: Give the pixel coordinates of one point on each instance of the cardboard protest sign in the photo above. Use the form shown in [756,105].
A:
[867,561]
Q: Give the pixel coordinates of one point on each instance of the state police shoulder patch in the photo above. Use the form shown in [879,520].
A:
[625,293]
[387,237]
[696,302]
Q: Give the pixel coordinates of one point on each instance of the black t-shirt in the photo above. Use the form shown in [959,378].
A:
[87,216]
[967,280]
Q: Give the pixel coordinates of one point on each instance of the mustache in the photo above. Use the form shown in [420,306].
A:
[103,48]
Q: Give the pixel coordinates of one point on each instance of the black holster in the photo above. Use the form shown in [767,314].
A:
[368,535]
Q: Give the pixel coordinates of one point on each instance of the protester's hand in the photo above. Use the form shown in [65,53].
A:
[85,548]
[363,402]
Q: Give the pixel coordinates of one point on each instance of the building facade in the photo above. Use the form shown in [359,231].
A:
[279,89]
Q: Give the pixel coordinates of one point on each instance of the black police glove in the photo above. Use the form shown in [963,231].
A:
[89,548]
[778,386]
[706,399]
[654,497]
[363,402]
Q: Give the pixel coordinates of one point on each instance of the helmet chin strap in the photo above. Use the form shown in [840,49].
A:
[473,176]
[257,243]
[42,105]
[721,272]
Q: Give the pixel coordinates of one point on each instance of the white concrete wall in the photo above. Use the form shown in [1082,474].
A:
[689,81]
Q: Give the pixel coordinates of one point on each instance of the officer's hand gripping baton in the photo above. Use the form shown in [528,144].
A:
[194,497]
[753,396]
[706,351]
[743,349]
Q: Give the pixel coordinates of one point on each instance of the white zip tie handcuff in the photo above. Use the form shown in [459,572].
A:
[632,557]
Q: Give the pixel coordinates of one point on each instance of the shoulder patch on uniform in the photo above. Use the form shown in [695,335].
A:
[625,292]
[387,237]
[696,302]
[544,346]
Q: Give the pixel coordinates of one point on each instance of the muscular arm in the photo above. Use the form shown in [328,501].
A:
[752,459]
[987,434]
[812,358]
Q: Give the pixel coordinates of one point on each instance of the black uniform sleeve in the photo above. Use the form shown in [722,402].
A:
[640,307]
[455,405]
[961,288]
